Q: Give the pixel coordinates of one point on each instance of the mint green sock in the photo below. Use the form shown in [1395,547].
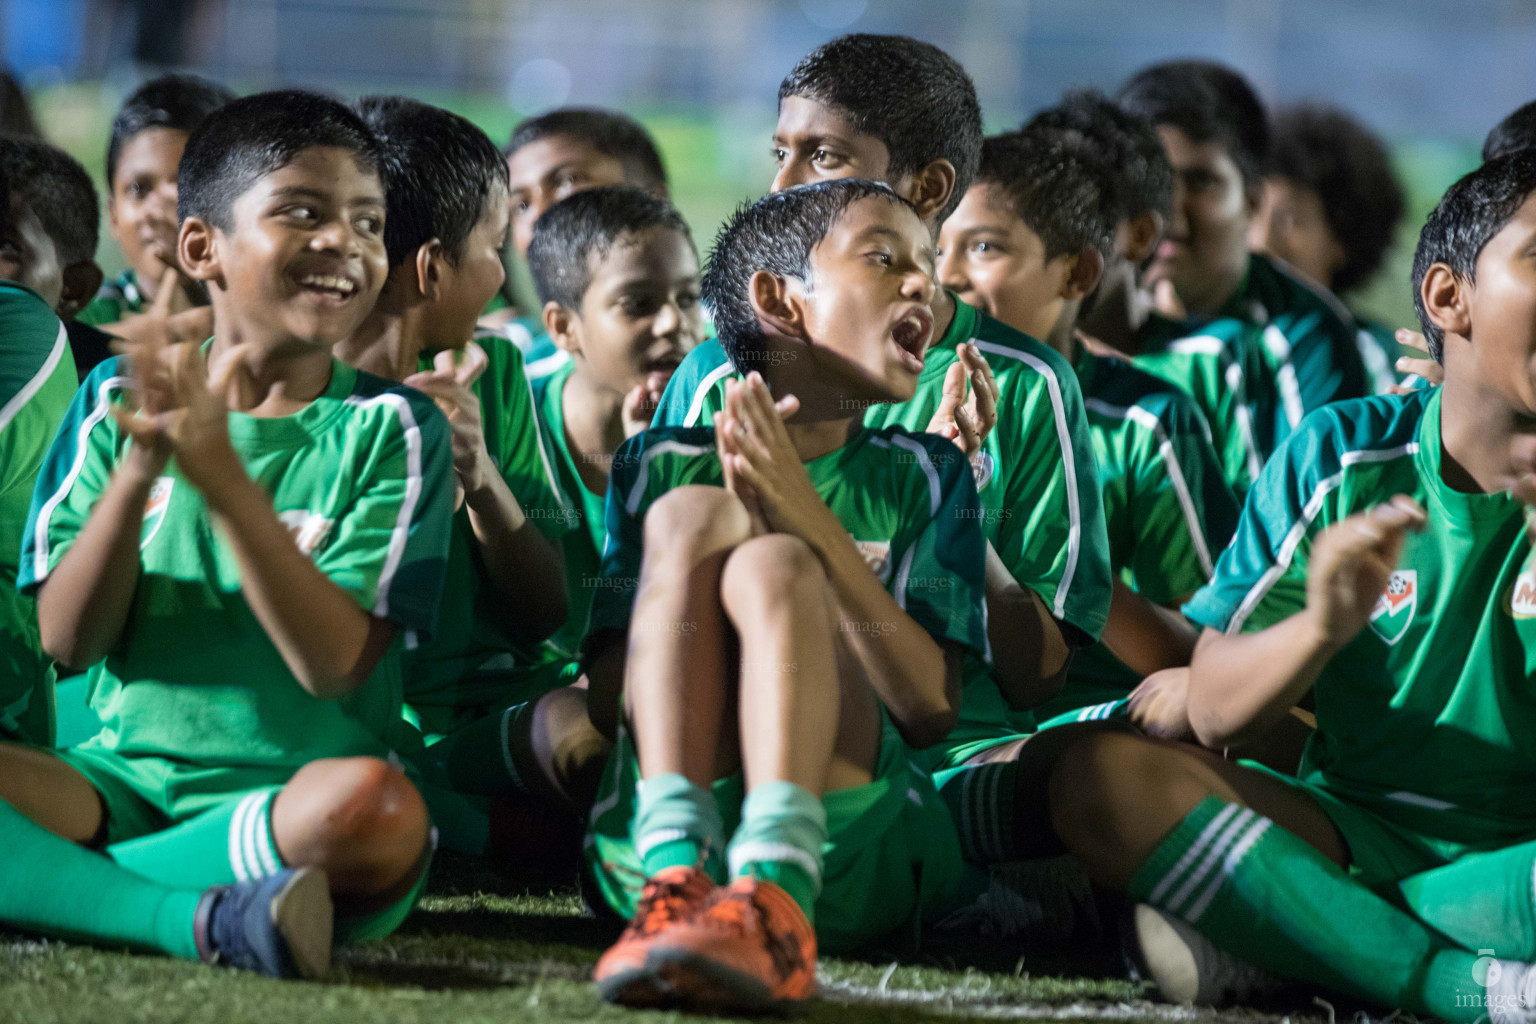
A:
[783,830]
[1482,900]
[1264,895]
[230,843]
[479,758]
[677,825]
[52,887]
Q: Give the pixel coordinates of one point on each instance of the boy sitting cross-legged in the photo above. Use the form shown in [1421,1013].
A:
[1381,566]
[236,552]
[802,597]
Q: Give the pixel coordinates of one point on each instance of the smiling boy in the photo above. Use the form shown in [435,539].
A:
[802,598]
[237,557]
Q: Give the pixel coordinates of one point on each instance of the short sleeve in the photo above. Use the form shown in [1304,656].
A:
[697,388]
[614,596]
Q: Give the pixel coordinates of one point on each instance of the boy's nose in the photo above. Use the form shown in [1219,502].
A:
[952,273]
[794,172]
[667,320]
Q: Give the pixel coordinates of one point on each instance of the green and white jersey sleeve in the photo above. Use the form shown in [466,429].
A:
[696,390]
[37,381]
[1379,352]
[361,476]
[115,299]
[1308,339]
[907,500]
[1426,717]
[473,631]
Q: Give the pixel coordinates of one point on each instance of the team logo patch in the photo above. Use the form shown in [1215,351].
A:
[1395,607]
[154,508]
[877,555]
[1522,597]
[983,467]
[309,529]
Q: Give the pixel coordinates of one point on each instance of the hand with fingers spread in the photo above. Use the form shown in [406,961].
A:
[640,403]
[762,456]
[170,319]
[967,422]
[1351,562]
[448,384]
[1425,367]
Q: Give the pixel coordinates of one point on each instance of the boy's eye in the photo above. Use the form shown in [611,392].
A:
[301,212]
[369,225]
[687,300]
[979,247]
[825,157]
[883,258]
[780,154]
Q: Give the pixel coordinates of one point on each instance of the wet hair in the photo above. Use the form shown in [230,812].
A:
[1055,186]
[609,132]
[440,174]
[912,96]
[777,233]
[249,138]
[1349,169]
[1137,174]
[58,191]
[173,101]
[1207,102]
[1517,131]
[1472,211]
[573,236]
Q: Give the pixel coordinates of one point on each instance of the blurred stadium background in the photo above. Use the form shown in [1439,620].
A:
[1430,75]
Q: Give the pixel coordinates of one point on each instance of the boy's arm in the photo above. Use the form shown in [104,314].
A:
[1029,653]
[1146,636]
[1241,685]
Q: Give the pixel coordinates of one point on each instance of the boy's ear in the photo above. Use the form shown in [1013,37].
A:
[561,324]
[430,268]
[932,188]
[1146,230]
[1447,300]
[81,281]
[1253,198]
[1083,277]
[197,250]
[776,301]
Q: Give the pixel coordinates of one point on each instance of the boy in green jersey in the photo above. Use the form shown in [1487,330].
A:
[37,381]
[1381,566]
[504,591]
[802,597]
[149,134]
[903,111]
[1331,206]
[1028,244]
[1255,346]
[237,557]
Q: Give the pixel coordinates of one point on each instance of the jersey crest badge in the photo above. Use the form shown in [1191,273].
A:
[983,468]
[877,555]
[154,508]
[1395,607]
[309,529]
[1522,597]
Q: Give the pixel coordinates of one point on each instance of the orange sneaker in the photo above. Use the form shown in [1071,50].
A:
[748,950]
[672,896]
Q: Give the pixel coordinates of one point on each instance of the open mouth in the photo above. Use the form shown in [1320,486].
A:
[331,286]
[912,334]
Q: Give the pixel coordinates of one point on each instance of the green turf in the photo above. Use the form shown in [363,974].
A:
[475,951]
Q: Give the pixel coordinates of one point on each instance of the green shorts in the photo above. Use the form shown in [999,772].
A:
[891,855]
[144,795]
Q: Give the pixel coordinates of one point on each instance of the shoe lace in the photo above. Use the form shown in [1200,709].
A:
[667,900]
[744,914]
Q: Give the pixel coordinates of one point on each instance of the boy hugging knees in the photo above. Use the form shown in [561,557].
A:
[761,780]
[239,536]
[1381,566]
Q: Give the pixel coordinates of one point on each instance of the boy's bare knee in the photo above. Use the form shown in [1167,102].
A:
[768,572]
[692,520]
[1095,776]
[359,818]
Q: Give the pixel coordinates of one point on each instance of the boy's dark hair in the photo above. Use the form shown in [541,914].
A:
[439,171]
[1055,185]
[911,95]
[58,191]
[1349,168]
[1472,211]
[777,233]
[249,138]
[1517,131]
[1208,103]
[172,101]
[1137,174]
[582,229]
[607,131]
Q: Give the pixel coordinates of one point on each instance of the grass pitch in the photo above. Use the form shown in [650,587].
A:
[479,951]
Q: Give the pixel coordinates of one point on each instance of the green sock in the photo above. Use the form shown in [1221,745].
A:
[1482,900]
[53,887]
[1264,895]
[480,758]
[677,825]
[780,839]
[981,800]
[230,843]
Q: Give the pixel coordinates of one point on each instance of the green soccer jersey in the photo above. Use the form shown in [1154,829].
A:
[116,299]
[1379,351]
[907,500]
[37,381]
[583,546]
[1167,507]
[1426,718]
[478,659]
[361,476]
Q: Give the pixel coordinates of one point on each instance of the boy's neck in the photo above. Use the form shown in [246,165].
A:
[594,426]
[389,341]
[943,309]
[1214,293]
[1118,315]
[283,380]
[1063,335]
[1477,427]
[814,438]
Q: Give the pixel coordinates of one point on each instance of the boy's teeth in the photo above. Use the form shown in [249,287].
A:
[339,284]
